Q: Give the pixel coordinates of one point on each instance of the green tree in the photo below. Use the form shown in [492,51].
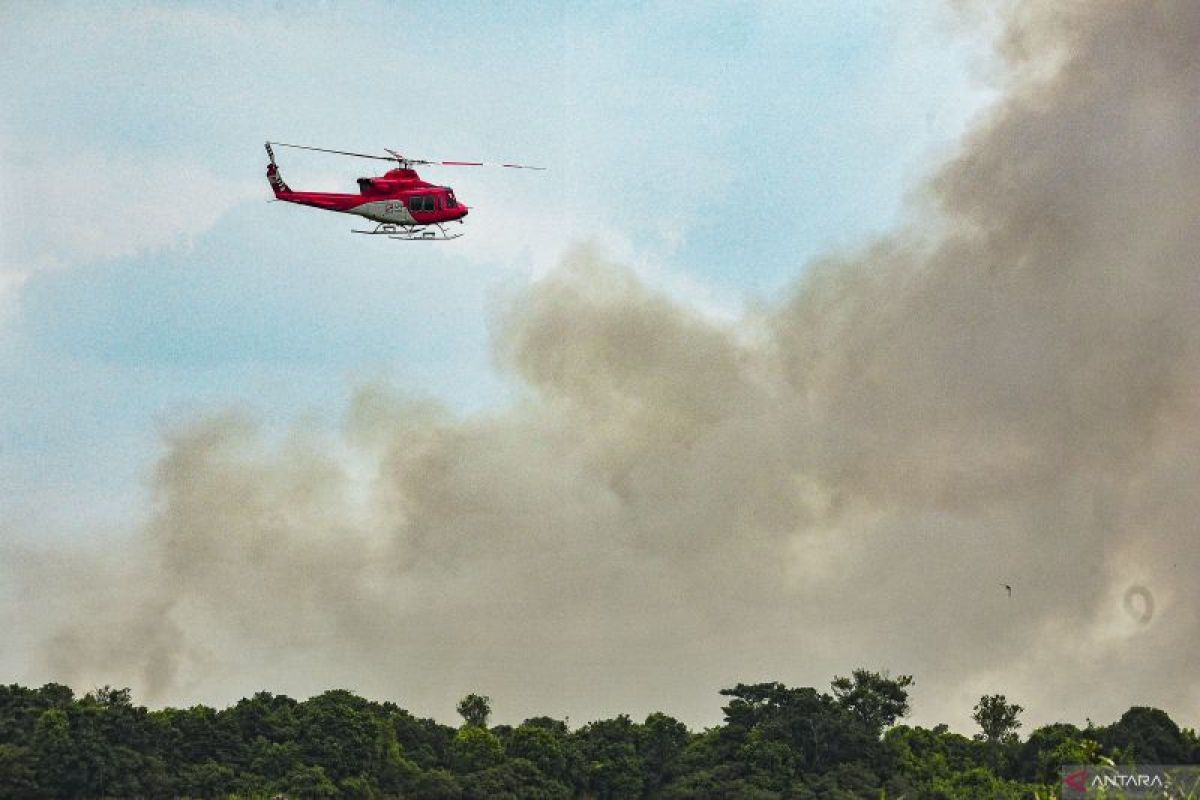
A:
[613,768]
[18,771]
[425,742]
[309,782]
[113,739]
[516,779]
[209,779]
[1193,745]
[340,732]
[1148,735]
[271,761]
[436,784]
[776,742]
[20,709]
[662,742]
[475,748]
[997,718]
[273,717]
[817,730]
[555,726]
[847,781]
[998,721]
[58,770]
[475,709]
[922,756]
[874,698]
[540,747]
[1048,748]
[390,769]
[975,783]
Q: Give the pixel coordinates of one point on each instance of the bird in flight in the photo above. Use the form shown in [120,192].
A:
[1007,588]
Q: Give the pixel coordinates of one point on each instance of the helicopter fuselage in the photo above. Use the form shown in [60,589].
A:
[398,197]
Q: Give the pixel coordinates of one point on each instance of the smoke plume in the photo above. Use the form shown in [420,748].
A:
[1004,392]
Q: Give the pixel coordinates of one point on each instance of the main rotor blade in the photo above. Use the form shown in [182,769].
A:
[474,164]
[460,163]
[404,159]
[338,152]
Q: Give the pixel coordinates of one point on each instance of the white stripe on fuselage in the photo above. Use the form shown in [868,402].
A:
[384,211]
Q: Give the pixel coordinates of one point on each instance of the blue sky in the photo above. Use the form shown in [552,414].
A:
[145,279]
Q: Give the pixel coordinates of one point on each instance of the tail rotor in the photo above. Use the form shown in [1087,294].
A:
[273,177]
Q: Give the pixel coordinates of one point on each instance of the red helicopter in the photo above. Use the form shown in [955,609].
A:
[404,206]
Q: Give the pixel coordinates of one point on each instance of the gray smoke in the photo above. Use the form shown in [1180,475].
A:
[1006,392]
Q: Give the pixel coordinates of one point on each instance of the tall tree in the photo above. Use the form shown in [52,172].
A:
[997,718]
[475,709]
[874,698]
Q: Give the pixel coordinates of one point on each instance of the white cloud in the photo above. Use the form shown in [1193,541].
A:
[60,211]
[10,284]
[66,210]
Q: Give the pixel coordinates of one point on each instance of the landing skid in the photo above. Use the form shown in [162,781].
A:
[412,233]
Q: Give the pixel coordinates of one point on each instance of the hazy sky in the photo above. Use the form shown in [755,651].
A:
[143,276]
[818,329]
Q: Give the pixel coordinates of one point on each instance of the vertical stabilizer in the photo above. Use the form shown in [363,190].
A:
[273,176]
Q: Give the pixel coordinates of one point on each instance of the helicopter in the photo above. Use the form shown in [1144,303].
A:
[403,206]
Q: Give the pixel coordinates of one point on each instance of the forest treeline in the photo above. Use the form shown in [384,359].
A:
[775,742]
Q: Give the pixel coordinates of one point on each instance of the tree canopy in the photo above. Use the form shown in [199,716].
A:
[775,741]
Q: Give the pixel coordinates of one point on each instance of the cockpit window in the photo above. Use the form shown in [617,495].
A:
[450,201]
